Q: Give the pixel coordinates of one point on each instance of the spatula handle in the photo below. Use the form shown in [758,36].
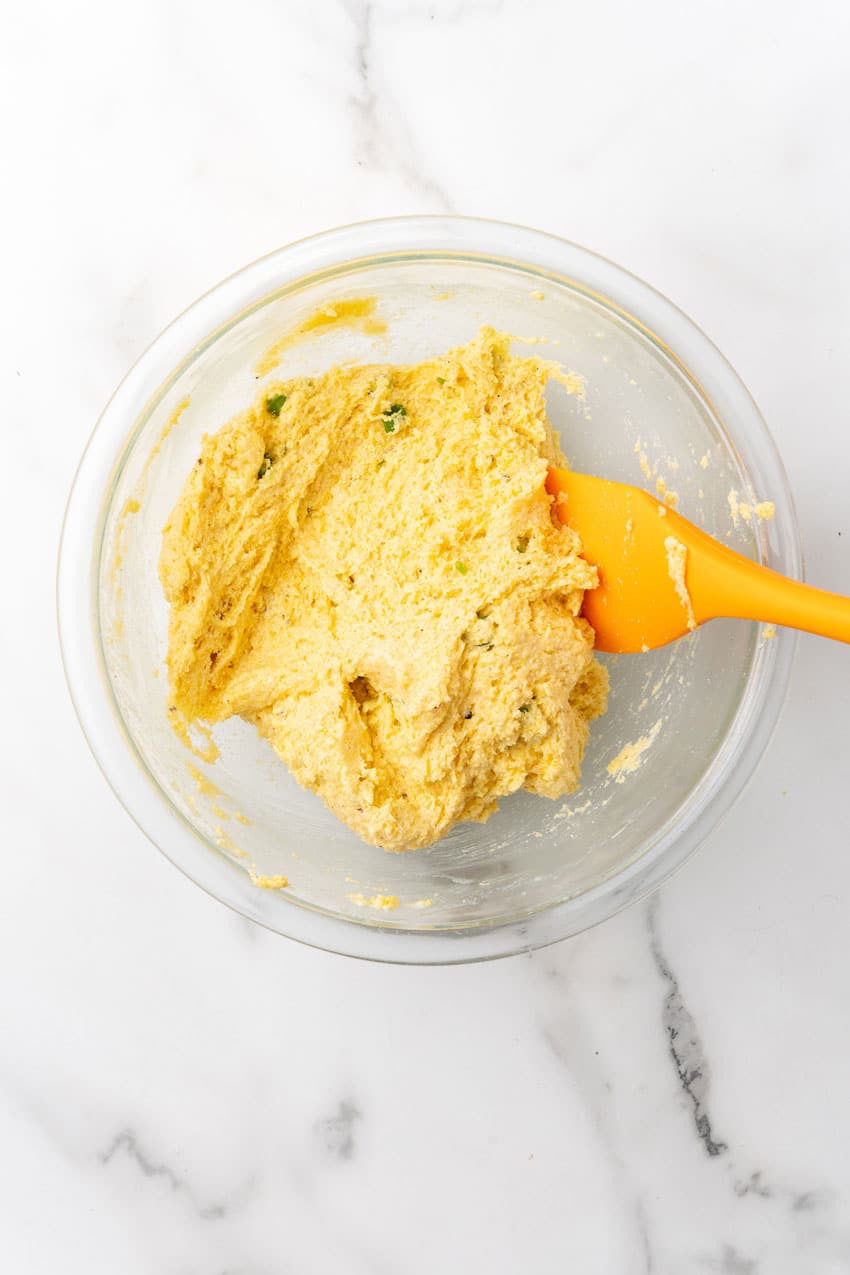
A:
[752,592]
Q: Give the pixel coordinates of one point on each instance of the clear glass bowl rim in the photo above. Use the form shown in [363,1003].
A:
[471,239]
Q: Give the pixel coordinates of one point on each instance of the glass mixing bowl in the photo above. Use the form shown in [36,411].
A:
[661,403]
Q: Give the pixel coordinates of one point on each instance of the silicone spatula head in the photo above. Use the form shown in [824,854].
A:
[660,576]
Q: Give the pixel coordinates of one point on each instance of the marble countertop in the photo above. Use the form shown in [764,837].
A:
[183,1093]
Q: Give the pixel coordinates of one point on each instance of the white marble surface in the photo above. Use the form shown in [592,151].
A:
[182,1093]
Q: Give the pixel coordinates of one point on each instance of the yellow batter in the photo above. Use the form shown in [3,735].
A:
[365,565]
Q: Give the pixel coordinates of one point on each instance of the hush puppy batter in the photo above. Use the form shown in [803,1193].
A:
[365,566]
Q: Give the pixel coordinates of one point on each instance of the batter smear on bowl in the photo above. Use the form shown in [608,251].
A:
[365,565]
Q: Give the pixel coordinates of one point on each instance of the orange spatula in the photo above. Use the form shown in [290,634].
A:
[661,576]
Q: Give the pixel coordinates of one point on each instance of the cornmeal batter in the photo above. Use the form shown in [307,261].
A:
[365,566]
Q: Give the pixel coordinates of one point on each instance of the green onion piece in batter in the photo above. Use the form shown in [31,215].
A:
[393,414]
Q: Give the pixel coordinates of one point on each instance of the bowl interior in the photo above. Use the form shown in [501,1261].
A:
[643,419]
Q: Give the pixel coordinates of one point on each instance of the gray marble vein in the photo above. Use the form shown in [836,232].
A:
[571,1052]
[686,1047]
[757,1186]
[753,1185]
[363,102]
[730,1262]
[383,139]
[126,1143]
[338,1132]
